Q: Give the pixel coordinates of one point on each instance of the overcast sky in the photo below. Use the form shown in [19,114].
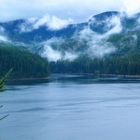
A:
[78,10]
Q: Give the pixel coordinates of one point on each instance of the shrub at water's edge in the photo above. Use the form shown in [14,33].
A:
[4,79]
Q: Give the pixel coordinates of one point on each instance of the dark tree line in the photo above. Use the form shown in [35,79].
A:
[120,65]
[23,63]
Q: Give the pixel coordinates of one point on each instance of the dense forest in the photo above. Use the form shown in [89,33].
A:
[124,61]
[120,65]
[24,63]
[28,65]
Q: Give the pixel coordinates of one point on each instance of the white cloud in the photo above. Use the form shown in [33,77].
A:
[115,21]
[50,53]
[53,52]
[56,23]
[70,56]
[3,39]
[28,25]
[52,22]
[2,30]
[100,50]
[55,55]
[98,45]
[131,6]
[75,9]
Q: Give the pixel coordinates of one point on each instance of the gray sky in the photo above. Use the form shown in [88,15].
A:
[78,10]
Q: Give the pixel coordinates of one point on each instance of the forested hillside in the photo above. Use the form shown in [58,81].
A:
[128,64]
[23,63]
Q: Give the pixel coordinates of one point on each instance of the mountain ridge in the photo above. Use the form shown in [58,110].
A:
[103,34]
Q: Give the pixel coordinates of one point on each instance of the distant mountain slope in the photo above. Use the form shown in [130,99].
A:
[23,63]
[31,30]
[103,34]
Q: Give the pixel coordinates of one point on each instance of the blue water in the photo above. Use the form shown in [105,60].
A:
[70,110]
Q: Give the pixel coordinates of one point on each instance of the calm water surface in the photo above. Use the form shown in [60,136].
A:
[71,109]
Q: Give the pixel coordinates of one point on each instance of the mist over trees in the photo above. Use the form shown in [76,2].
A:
[118,65]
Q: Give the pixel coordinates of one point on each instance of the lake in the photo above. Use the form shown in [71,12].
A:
[71,108]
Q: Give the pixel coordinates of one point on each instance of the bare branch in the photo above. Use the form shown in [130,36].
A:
[4,117]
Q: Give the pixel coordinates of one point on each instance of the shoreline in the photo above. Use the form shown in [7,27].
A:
[55,75]
[95,78]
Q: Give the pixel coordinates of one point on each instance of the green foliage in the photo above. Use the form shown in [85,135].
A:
[24,63]
[4,79]
[124,65]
